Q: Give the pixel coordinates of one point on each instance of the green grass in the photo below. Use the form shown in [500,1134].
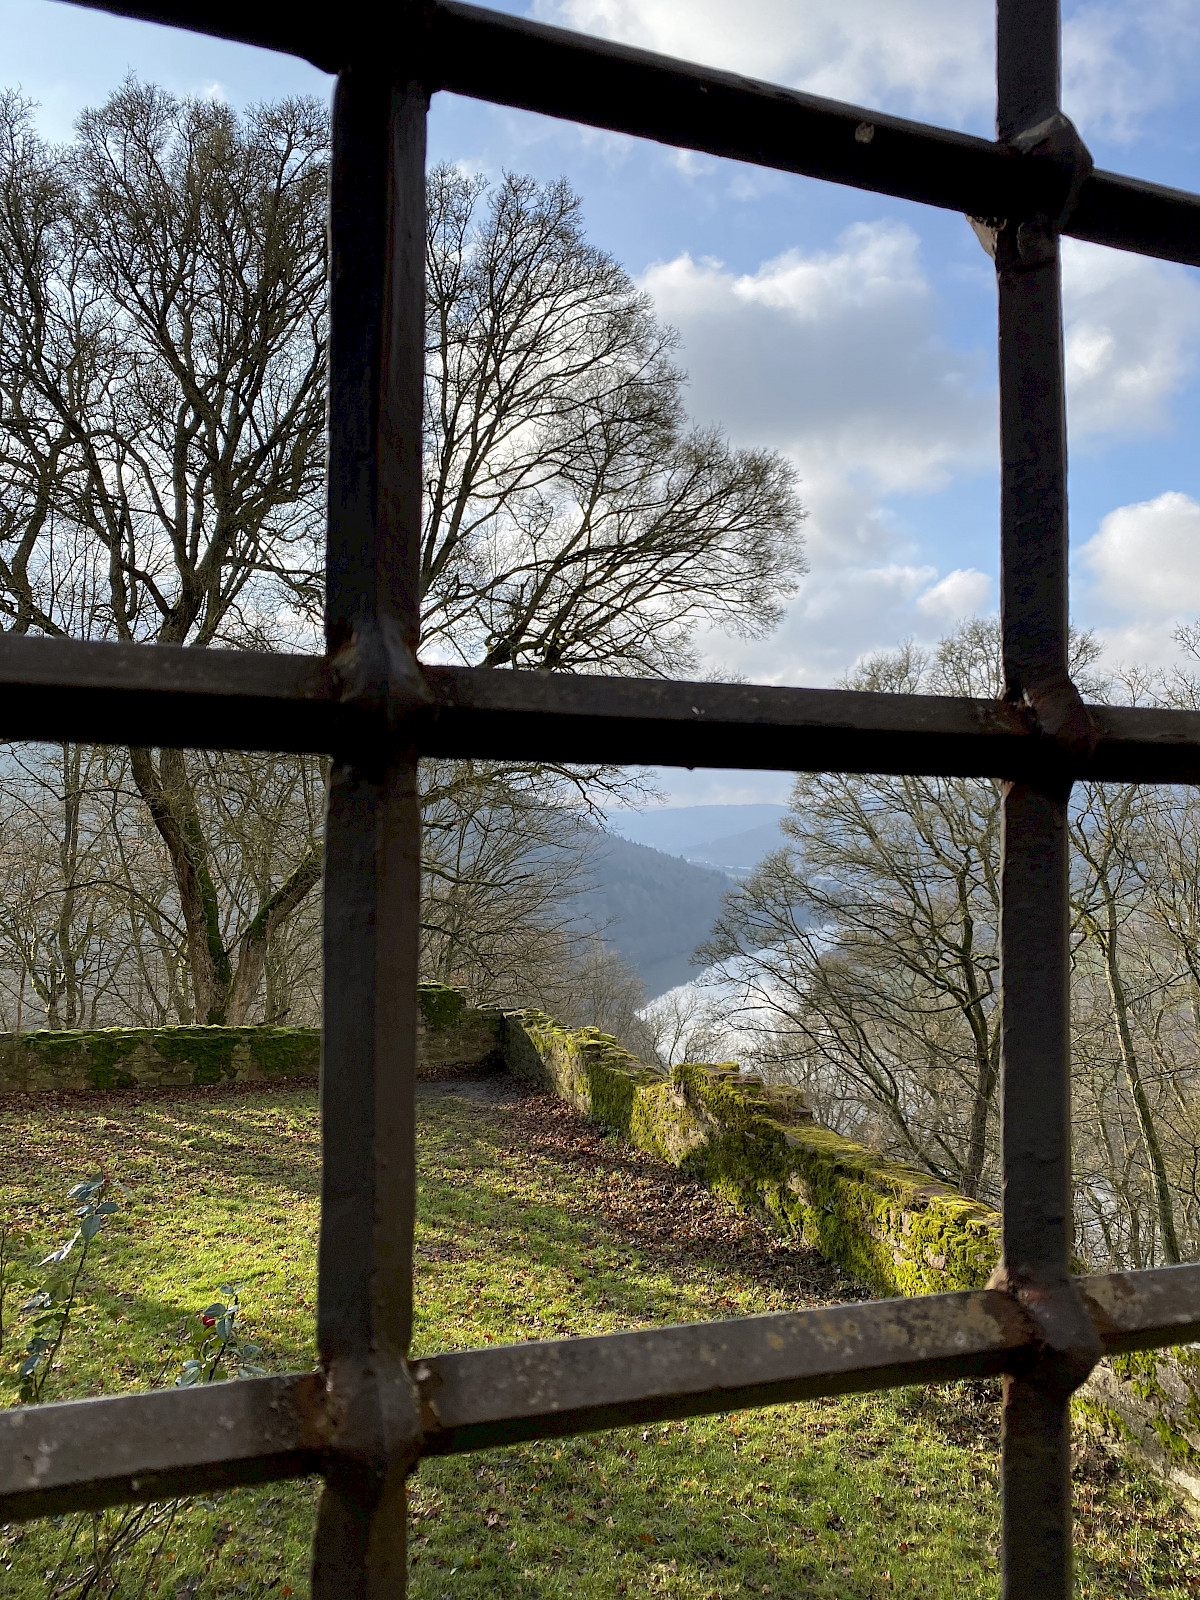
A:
[526,1236]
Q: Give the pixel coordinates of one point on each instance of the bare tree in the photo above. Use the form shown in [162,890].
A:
[685,1024]
[501,863]
[866,949]
[161,377]
[1107,898]
[162,303]
[574,519]
[871,937]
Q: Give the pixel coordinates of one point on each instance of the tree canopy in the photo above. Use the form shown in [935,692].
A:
[162,393]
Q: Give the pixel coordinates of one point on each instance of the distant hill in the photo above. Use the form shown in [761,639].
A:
[733,839]
[652,908]
[738,853]
[685,830]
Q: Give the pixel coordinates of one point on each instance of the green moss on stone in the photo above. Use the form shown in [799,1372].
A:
[207,1050]
[441,1005]
[106,1049]
[1140,1370]
[1109,1421]
[285,1052]
[889,1225]
[53,1045]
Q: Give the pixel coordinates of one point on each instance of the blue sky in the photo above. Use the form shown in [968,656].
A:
[854,332]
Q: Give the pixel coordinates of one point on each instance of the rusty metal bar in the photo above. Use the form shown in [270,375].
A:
[371,707]
[83,1454]
[1148,218]
[1034,920]
[560,717]
[372,847]
[1144,1310]
[1035,975]
[226,699]
[475,1398]
[90,1453]
[513,61]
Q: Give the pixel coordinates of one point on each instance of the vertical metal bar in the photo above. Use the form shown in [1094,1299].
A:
[1036,1541]
[1033,430]
[1035,963]
[1028,70]
[372,869]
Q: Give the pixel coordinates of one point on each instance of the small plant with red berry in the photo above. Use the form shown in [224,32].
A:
[218,1345]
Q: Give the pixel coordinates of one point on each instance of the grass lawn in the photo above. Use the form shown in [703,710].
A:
[531,1225]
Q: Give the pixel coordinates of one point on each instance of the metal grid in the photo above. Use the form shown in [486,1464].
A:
[370,1414]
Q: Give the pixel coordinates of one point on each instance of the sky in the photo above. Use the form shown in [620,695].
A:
[851,331]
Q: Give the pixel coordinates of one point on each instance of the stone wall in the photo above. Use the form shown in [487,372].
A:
[453,1037]
[888,1224]
[124,1058]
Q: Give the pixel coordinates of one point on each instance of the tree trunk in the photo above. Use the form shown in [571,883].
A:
[987,1072]
[254,943]
[1137,1092]
[171,802]
[68,857]
[987,1064]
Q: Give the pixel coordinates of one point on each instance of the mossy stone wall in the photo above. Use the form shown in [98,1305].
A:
[126,1058]
[889,1225]
[452,1037]
[1148,1403]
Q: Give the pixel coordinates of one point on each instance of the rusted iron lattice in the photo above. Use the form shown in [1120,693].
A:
[368,1416]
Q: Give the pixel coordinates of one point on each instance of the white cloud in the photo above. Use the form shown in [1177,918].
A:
[1121,62]
[929,58]
[965,592]
[1145,559]
[833,357]
[1132,327]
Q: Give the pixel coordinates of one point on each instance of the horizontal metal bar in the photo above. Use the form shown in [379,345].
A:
[476,1398]
[89,1453]
[1147,218]
[512,61]
[225,699]
[167,695]
[558,716]
[174,1441]
[565,717]
[1145,1310]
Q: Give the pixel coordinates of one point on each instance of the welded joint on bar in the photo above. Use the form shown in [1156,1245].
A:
[1063,163]
[1060,713]
[1066,1343]
[376,672]
[373,1422]
[1056,142]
